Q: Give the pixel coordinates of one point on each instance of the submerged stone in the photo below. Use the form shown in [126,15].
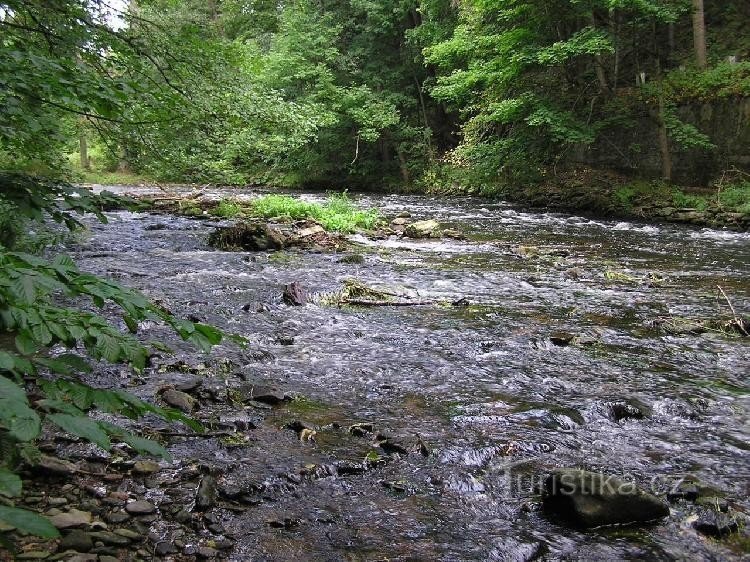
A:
[590,499]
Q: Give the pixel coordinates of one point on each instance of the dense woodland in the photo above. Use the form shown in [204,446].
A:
[433,94]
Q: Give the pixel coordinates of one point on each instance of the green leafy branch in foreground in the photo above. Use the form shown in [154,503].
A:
[41,341]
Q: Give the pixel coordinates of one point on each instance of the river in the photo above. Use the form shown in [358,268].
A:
[494,390]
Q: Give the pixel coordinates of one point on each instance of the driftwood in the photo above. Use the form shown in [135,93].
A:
[366,302]
[739,323]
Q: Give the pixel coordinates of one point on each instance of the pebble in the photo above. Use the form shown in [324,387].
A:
[56,502]
[140,508]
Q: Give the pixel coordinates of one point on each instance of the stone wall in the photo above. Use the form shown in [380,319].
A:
[635,149]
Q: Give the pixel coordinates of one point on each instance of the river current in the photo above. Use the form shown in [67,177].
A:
[494,389]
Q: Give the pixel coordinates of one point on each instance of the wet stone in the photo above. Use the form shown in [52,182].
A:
[589,499]
[71,519]
[685,490]
[128,534]
[146,467]
[110,538]
[140,507]
[294,294]
[190,384]
[165,547]
[206,552]
[628,410]
[205,497]
[263,394]
[117,517]
[33,555]
[77,540]
[715,524]
[179,400]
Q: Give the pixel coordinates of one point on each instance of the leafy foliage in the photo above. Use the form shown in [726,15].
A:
[44,343]
[338,213]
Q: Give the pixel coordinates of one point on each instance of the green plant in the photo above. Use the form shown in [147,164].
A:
[681,199]
[228,209]
[736,196]
[337,214]
[35,326]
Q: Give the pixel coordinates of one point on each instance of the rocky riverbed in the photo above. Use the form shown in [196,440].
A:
[433,432]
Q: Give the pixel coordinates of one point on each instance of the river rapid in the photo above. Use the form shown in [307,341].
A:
[494,393]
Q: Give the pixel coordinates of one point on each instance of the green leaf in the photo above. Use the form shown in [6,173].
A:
[6,361]
[82,427]
[140,444]
[25,343]
[21,421]
[213,335]
[10,483]
[28,522]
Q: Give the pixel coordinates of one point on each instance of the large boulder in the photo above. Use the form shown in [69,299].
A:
[591,499]
[251,237]
[422,229]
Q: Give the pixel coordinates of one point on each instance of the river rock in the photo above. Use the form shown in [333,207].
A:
[140,507]
[422,229]
[294,294]
[263,394]
[249,237]
[685,490]
[715,524]
[179,400]
[628,410]
[205,497]
[77,540]
[55,465]
[146,467]
[71,519]
[590,499]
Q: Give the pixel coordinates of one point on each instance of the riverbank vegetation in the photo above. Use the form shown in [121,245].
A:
[428,95]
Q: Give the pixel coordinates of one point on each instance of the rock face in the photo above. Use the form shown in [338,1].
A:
[590,499]
[422,229]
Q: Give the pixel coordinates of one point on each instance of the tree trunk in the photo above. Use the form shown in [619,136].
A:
[699,34]
[599,63]
[666,155]
[83,149]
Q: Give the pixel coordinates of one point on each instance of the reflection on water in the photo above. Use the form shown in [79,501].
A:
[495,398]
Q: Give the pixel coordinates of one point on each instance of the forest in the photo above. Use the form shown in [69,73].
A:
[374,279]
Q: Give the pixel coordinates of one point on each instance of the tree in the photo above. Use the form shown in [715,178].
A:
[699,34]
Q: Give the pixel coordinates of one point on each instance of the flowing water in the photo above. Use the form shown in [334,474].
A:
[483,385]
